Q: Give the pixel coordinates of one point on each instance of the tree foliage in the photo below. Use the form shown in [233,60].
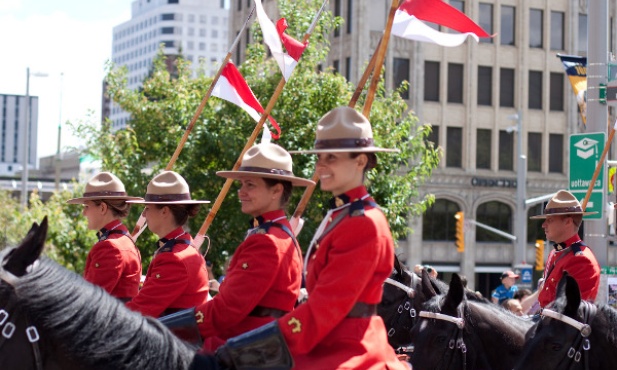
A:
[162,109]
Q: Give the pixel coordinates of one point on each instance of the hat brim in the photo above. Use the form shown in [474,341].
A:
[539,217]
[345,150]
[82,200]
[143,201]
[236,175]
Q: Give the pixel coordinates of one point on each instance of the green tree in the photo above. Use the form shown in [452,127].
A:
[162,109]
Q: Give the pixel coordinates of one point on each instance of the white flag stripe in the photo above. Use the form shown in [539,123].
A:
[224,90]
[410,27]
[273,40]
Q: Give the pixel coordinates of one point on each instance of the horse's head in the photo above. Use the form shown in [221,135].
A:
[399,304]
[566,333]
[437,336]
[16,261]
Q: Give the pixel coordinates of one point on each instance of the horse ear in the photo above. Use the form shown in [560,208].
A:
[398,266]
[456,292]
[29,250]
[427,285]
[573,295]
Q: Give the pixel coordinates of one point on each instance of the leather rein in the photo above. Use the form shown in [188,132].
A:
[581,343]
[8,317]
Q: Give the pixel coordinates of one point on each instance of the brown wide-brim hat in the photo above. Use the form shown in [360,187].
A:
[103,186]
[168,187]
[266,160]
[563,203]
[344,130]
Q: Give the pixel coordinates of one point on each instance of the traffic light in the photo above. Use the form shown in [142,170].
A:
[460,231]
[539,255]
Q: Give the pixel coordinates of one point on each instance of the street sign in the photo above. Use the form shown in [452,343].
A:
[585,152]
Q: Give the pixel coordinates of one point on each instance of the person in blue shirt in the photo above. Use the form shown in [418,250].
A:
[507,288]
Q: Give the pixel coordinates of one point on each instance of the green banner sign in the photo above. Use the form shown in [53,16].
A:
[585,152]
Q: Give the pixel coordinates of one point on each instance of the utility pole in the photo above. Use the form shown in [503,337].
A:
[26,145]
[520,219]
[597,113]
[58,155]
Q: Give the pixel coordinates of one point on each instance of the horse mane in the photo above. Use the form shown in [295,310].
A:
[93,327]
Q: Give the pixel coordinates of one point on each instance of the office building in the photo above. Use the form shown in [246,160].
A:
[194,29]
[13,111]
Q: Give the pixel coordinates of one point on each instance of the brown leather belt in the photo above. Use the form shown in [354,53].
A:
[361,309]
[261,311]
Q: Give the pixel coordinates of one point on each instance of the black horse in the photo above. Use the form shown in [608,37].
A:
[50,318]
[572,334]
[456,333]
[403,298]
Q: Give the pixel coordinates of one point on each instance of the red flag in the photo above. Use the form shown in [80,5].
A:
[408,23]
[294,47]
[232,87]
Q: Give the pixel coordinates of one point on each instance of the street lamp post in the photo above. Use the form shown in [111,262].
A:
[26,141]
[58,152]
[520,220]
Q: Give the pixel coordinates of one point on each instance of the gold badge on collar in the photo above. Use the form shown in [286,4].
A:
[338,201]
[297,325]
[255,222]
[199,317]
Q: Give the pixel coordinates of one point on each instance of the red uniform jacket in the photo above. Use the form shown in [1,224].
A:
[580,264]
[265,271]
[177,278]
[114,263]
[349,265]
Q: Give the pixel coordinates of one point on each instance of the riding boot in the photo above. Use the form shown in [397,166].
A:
[261,348]
[184,326]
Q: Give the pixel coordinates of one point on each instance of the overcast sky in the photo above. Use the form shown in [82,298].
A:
[69,37]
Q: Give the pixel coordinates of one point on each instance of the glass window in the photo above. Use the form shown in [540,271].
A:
[239,4]
[536,30]
[215,34]
[455,83]
[506,87]
[348,68]
[173,1]
[348,22]
[534,152]
[167,30]
[555,153]
[400,73]
[431,81]
[438,222]
[486,21]
[557,30]
[556,93]
[495,214]
[215,20]
[582,33]
[483,150]
[458,4]
[203,19]
[506,151]
[336,66]
[485,85]
[454,149]
[434,136]
[507,33]
[337,13]
[535,90]
[167,17]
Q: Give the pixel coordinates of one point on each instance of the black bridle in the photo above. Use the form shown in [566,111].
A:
[455,341]
[9,316]
[405,315]
[580,344]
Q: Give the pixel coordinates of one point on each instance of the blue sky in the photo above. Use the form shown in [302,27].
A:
[72,37]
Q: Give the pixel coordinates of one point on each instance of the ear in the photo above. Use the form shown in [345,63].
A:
[28,251]
[427,286]
[398,266]
[362,160]
[572,293]
[455,293]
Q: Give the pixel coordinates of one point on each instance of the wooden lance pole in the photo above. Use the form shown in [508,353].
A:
[201,234]
[374,66]
[141,222]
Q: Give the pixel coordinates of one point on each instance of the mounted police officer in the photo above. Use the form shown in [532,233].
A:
[177,277]
[114,262]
